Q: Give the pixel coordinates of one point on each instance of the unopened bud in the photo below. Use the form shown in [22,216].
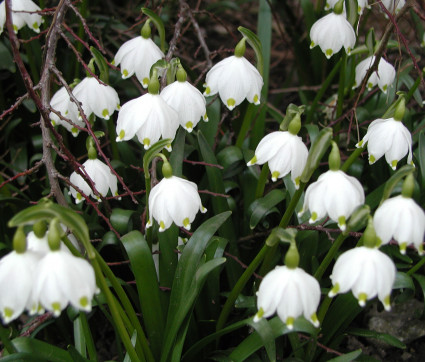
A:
[20,241]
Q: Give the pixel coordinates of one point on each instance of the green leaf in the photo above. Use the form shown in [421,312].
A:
[351,8]
[347,357]
[101,64]
[262,327]
[421,280]
[6,59]
[158,24]
[254,342]
[370,41]
[47,210]
[262,206]
[177,156]
[316,152]
[255,43]
[186,287]
[403,281]
[144,271]
[421,155]
[42,350]
[384,337]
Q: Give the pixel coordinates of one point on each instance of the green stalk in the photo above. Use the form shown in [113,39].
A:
[414,86]
[349,161]
[91,348]
[341,86]
[330,255]
[115,312]
[265,267]
[240,284]
[246,125]
[322,90]
[261,184]
[416,267]
[148,232]
[324,306]
[296,345]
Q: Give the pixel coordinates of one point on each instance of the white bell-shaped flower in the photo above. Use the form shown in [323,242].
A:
[148,117]
[335,193]
[187,100]
[389,137]
[136,56]
[97,98]
[102,177]
[285,153]
[234,79]
[174,199]
[367,271]
[62,278]
[16,282]
[24,12]
[331,33]
[384,77]
[290,292]
[61,102]
[401,218]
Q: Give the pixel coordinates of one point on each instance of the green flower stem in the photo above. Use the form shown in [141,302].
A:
[416,267]
[284,222]
[349,161]
[341,91]
[294,339]
[324,306]
[415,86]
[115,313]
[330,255]
[322,90]
[240,284]
[261,184]
[246,124]
[4,337]
[148,232]
[91,348]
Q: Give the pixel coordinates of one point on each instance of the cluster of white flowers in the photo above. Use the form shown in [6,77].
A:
[35,278]
[24,12]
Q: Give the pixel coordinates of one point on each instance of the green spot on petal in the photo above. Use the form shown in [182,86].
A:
[186,223]
[256,99]
[8,313]
[384,88]
[146,143]
[35,26]
[348,50]
[253,161]
[275,175]
[387,303]
[290,322]
[161,226]
[372,159]
[122,134]
[360,144]
[189,126]
[297,182]
[84,302]
[53,122]
[125,73]
[205,117]
[403,247]
[15,28]
[369,86]
[362,297]
[315,320]
[56,309]
[341,222]
[421,249]
[207,91]
[145,82]
[79,197]
[394,164]
[312,45]
[259,315]
[113,62]
[231,103]
[334,291]
[74,131]
[329,53]
[105,114]
[313,216]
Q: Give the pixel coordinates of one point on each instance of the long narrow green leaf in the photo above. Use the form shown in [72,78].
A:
[395,179]
[347,357]
[184,282]
[264,330]
[384,337]
[260,207]
[144,271]
[42,350]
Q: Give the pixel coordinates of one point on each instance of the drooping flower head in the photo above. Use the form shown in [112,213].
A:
[401,218]
[284,151]
[61,102]
[389,137]
[384,77]
[335,194]
[288,291]
[365,270]
[101,175]
[187,100]
[148,117]
[137,56]
[332,32]
[174,199]
[24,12]
[234,79]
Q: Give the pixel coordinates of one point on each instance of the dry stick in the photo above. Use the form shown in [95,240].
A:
[41,103]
